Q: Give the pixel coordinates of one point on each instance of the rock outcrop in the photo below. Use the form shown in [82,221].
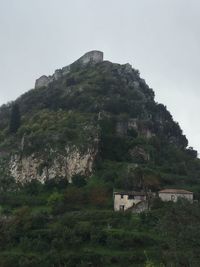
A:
[25,169]
[92,57]
[94,111]
[122,128]
[42,81]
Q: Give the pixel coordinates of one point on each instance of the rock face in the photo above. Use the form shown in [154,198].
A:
[122,128]
[92,57]
[42,81]
[93,111]
[25,169]
[139,154]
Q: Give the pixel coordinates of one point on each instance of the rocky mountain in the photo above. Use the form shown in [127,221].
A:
[99,118]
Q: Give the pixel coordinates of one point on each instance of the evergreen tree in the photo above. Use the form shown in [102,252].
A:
[15,119]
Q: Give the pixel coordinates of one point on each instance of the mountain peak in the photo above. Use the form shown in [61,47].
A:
[92,57]
[90,115]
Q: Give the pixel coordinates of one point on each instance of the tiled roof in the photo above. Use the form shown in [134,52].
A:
[175,191]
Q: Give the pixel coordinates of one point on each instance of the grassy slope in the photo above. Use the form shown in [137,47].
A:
[59,225]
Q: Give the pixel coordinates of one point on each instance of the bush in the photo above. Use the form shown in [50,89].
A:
[79,180]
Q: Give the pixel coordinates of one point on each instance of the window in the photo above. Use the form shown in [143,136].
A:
[121,207]
[130,197]
[122,196]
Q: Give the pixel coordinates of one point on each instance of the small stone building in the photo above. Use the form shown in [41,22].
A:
[134,201]
[175,194]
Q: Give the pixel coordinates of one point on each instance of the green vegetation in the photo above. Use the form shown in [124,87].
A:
[139,147]
[46,225]
[15,119]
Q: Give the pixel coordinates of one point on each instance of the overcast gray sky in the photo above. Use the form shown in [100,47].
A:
[161,38]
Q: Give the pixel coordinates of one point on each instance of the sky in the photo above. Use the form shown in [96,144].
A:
[161,38]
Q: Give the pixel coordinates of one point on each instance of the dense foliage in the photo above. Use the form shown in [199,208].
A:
[14,119]
[109,102]
[140,147]
[58,225]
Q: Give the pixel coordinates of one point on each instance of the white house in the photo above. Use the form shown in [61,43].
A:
[136,201]
[175,194]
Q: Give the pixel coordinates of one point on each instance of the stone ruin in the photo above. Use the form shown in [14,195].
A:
[90,57]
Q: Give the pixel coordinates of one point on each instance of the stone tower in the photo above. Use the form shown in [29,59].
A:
[91,57]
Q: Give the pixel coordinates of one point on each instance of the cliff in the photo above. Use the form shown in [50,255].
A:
[94,117]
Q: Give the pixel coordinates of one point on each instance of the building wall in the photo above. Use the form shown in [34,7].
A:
[43,81]
[127,203]
[92,56]
[174,196]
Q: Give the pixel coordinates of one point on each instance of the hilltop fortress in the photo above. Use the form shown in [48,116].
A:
[90,57]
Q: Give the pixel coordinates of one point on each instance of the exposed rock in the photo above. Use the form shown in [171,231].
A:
[122,128]
[136,84]
[43,81]
[92,57]
[58,74]
[138,154]
[73,162]
[147,133]
[140,127]
[65,70]
[128,68]
[86,100]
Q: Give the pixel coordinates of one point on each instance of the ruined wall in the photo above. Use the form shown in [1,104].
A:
[90,57]
[122,128]
[43,81]
[123,200]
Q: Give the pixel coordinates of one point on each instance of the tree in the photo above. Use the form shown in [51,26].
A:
[179,227]
[79,180]
[15,119]
[55,198]
[7,183]
[34,187]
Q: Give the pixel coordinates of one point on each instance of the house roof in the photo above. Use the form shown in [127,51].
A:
[175,191]
[130,193]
